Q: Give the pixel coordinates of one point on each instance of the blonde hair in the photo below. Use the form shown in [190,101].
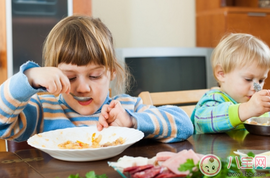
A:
[238,50]
[81,40]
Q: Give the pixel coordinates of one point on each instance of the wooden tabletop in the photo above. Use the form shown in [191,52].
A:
[34,163]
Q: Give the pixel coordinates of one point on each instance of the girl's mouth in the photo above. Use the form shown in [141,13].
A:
[84,103]
[81,98]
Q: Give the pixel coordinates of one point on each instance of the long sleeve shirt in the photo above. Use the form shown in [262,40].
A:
[24,113]
[216,112]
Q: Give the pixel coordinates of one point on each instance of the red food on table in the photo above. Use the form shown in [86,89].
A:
[135,169]
[167,167]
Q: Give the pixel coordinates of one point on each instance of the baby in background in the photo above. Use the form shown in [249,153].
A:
[238,61]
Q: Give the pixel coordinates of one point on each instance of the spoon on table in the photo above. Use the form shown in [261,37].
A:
[80,98]
[257,87]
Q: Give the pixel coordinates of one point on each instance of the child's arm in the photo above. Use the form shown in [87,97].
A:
[15,94]
[166,123]
[258,104]
[21,111]
[216,112]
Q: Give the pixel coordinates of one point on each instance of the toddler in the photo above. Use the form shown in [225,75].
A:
[238,61]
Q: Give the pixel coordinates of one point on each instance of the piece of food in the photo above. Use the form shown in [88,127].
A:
[73,145]
[95,143]
[256,123]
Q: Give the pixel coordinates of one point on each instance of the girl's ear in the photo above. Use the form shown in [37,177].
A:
[219,73]
[113,75]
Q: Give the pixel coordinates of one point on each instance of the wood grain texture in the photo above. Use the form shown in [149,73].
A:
[222,145]
[187,98]
[214,21]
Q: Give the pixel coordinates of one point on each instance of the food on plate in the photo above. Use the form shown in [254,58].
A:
[73,145]
[95,143]
[163,164]
[257,123]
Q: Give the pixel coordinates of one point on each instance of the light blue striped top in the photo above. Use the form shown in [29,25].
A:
[23,113]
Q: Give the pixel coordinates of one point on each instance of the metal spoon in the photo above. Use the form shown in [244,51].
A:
[80,98]
[257,87]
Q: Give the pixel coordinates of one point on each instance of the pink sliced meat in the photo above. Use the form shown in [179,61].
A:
[148,173]
[134,169]
[164,155]
[200,155]
[169,174]
[181,157]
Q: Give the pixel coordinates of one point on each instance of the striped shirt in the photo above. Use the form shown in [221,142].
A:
[24,113]
[216,112]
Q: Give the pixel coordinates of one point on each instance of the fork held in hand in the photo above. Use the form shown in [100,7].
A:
[257,87]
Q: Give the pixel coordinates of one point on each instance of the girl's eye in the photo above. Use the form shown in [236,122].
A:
[249,80]
[95,77]
[72,79]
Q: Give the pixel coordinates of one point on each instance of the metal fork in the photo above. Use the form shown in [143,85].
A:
[257,87]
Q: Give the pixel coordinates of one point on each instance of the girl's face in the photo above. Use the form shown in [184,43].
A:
[86,81]
[239,82]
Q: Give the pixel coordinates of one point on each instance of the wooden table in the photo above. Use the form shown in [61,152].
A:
[34,163]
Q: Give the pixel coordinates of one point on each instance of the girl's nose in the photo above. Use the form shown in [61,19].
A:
[83,86]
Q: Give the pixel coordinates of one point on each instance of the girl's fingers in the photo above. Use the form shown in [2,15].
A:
[113,103]
[99,126]
[102,121]
[58,86]
[104,111]
[51,88]
[65,85]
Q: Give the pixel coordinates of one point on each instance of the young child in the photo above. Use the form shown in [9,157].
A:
[238,61]
[80,62]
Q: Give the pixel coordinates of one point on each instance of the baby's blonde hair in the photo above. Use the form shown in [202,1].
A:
[238,50]
[82,40]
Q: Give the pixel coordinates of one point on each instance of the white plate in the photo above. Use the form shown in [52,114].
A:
[48,142]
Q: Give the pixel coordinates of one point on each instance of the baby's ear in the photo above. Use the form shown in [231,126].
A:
[219,73]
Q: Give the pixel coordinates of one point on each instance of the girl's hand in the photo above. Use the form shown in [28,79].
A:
[50,78]
[258,104]
[114,115]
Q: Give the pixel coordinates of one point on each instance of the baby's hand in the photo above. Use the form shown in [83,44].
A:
[258,104]
[114,115]
[50,78]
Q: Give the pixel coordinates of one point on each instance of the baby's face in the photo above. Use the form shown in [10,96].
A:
[86,81]
[239,82]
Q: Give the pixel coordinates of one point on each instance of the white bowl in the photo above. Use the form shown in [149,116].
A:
[48,142]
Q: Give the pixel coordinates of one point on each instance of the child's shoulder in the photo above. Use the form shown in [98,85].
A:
[217,94]
[124,97]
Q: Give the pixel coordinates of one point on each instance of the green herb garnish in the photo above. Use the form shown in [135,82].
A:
[189,166]
[90,174]
[224,172]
